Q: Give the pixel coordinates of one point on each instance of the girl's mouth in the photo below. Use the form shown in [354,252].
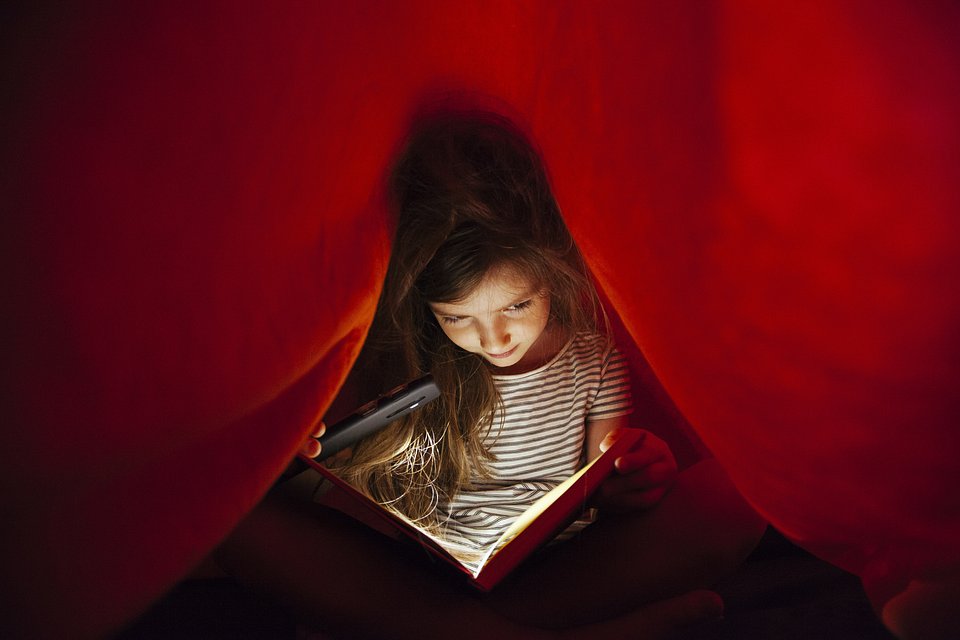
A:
[500,356]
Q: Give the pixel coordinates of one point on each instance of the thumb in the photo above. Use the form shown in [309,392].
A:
[612,436]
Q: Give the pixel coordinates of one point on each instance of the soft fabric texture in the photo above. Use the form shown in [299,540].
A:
[194,239]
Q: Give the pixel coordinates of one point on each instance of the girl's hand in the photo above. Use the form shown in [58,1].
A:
[641,477]
[311,446]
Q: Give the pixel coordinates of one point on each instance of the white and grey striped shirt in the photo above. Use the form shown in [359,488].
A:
[541,441]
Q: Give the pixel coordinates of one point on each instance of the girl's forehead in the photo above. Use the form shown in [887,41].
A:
[501,287]
[506,278]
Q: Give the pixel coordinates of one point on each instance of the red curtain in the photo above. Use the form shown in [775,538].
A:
[194,241]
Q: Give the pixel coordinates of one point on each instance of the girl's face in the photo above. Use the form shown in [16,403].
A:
[501,320]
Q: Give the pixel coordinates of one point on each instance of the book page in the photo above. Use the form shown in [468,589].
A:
[537,509]
[469,559]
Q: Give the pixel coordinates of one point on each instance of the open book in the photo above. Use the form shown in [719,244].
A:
[536,527]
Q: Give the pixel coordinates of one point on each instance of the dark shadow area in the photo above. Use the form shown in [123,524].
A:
[215,609]
[784,593]
[780,593]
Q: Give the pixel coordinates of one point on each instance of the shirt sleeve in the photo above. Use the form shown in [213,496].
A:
[614,397]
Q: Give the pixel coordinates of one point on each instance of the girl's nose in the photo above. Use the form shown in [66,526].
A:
[494,337]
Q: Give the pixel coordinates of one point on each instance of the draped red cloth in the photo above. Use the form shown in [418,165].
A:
[194,239]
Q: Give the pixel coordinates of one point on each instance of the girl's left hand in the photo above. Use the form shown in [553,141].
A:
[641,477]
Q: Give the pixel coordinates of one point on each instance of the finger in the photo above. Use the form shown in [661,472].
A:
[651,475]
[310,448]
[620,494]
[612,436]
[319,429]
[638,459]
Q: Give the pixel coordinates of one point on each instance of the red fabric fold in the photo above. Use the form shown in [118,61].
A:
[194,242]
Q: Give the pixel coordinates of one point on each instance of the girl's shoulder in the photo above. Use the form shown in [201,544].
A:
[591,344]
[583,349]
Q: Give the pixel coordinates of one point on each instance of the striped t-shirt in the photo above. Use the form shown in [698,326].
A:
[540,442]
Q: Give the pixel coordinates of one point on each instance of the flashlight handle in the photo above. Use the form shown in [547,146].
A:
[376,415]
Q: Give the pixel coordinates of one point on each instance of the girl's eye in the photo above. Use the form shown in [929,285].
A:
[520,306]
[450,319]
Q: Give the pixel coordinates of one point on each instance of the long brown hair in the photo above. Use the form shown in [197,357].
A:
[471,194]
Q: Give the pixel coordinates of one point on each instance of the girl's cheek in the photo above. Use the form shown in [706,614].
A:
[458,336]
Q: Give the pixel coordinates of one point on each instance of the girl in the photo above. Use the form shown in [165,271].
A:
[487,291]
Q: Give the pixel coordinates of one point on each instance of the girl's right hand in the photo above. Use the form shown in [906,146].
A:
[311,446]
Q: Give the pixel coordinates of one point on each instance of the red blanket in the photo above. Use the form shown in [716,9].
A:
[193,243]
